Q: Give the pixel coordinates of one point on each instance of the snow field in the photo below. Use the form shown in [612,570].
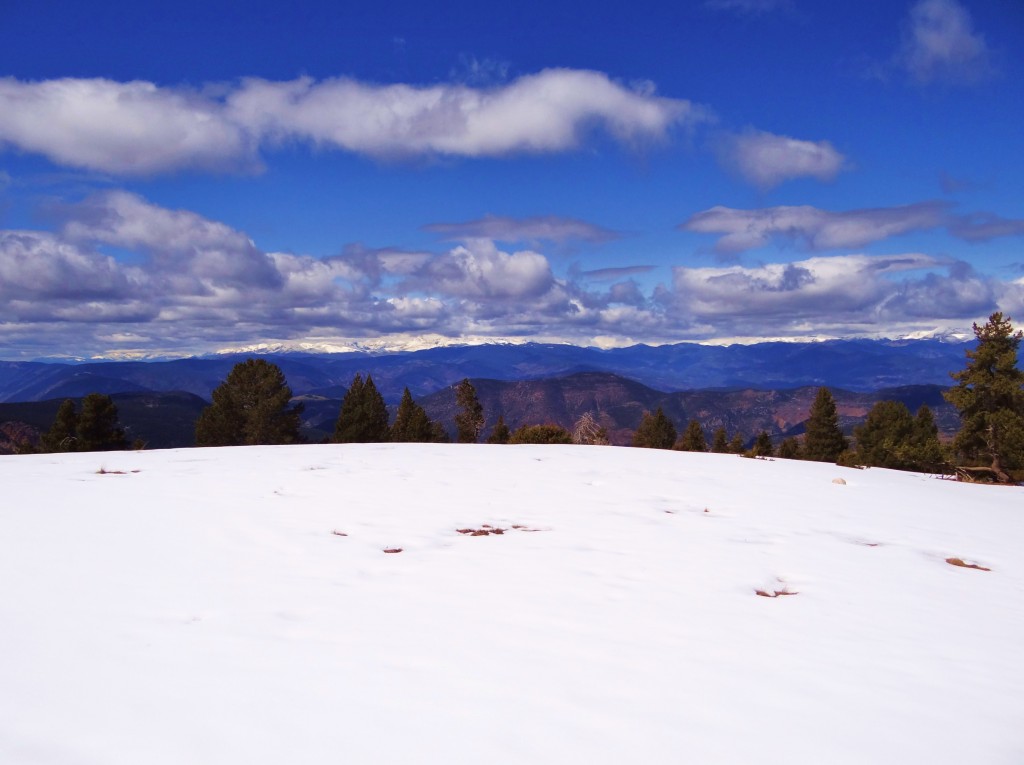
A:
[203,609]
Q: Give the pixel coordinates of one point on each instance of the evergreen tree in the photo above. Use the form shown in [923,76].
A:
[411,423]
[655,431]
[790,449]
[738,444]
[470,419]
[541,434]
[990,397]
[928,453]
[719,443]
[500,434]
[885,437]
[692,439]
[363,418]
[763,445]
[63,434]
[98,428]
[250,407]
[824,441]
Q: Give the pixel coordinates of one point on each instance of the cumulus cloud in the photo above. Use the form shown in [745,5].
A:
[765,160]
[186,245]
[811,227]
[845,291]
[120,127]
[206,285]
[551,228]
[478,269]
[940,45]
[142,128]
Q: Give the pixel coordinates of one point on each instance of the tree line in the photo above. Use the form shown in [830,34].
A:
[253,406]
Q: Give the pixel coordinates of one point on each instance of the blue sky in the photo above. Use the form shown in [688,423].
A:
[182,177]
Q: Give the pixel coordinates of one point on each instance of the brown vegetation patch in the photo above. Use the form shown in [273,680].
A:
[392,549]
[486,530]
[339,533]
[775,593]
[963,564]
[104,471]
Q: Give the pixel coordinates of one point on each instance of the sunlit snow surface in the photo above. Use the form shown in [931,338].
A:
[200,608]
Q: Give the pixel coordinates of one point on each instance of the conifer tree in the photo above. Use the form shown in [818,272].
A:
[790,449]
[693,439]
[250,407]
[720,443]
[655,431]
[925,439]
[411,423]
[500,434]
[469,421]
[990,397]
[738,444]
[62,435]
[885,437]
[363,418]
[824,441]
[763,445]
[98,428]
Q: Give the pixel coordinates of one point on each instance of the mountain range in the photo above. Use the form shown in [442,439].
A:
[854,365]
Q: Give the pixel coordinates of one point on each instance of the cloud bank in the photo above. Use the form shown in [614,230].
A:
[140,128]
[207,285]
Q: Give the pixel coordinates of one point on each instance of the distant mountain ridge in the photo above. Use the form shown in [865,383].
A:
[167,420]
[854,365]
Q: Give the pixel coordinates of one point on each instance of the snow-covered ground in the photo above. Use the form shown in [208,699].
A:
[238,606]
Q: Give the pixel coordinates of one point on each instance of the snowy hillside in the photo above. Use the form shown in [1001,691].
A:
[241,606]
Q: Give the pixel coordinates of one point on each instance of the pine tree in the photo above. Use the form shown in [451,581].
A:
[655,431]
[763,445]
[500,434]
[885,437]
[719,443]
[363,418]
[98,428]
[824,441]
[63,434]
[250,407]
[411,423]
[927,453]
[789,449]
[470,419]
[693,439]
[990,397]
[738,444]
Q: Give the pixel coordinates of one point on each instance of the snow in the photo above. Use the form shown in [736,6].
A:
[199,607]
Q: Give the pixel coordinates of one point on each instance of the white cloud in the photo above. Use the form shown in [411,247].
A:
[119,127]
[185,245]
[142,128]
[478,269]
[766,160]
[941,44]
[812,227]
[192,279]
[551,228]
